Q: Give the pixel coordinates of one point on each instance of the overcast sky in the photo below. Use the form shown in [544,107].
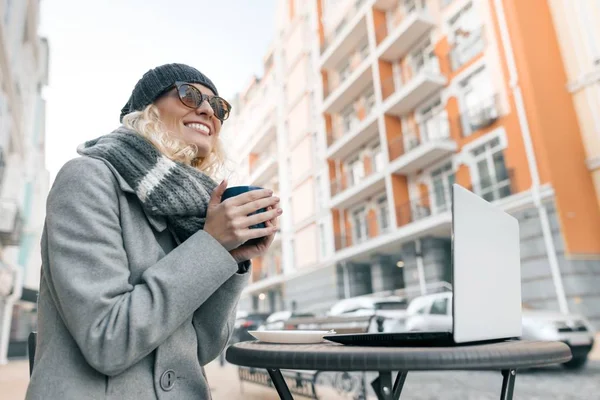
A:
[99,49]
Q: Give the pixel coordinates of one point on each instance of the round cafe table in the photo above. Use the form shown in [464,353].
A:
[506,357]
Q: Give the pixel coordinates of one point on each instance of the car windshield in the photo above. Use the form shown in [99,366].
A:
[390,305]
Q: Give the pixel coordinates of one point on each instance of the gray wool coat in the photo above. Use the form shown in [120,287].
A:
[122,312]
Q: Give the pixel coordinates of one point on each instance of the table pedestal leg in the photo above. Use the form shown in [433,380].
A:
[383,385]
[508,384]
[280,385]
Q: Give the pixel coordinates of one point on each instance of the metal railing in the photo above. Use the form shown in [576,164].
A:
[393,83]
[398,15]
[472,45]
[356,59]
[502,185]
[330,38]
[436,129]
[373,228]
[342,183]
[339,128]
[11,223]
[481,116]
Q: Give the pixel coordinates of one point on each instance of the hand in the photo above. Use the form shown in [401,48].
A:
[256,247]
[229,221]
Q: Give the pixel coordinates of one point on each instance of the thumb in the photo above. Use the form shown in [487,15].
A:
[215,197]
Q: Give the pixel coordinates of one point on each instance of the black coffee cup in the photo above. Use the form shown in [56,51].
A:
[237,190]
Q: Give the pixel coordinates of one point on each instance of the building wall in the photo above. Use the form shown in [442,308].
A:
[578,36]
[535,123]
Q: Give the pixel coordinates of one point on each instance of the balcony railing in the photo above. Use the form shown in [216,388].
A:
[341,25]
[472,44]
[340,127]
[338,185]
[356,59]
[398,15]
[395,82]
[437,129]
[480,116]
[434,202]
[11,223]
[374,227]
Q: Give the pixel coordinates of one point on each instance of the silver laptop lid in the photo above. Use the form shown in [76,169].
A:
[486,270]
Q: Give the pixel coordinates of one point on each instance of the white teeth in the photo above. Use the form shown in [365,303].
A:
[199,127]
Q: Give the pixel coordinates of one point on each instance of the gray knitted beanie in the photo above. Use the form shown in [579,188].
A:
[156,81]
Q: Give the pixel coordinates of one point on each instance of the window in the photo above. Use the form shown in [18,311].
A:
[439,307]
[423,58]
[433,122]
[323,244]
[494,180]
[442,180]
[377,157]
[359,222]
[369,101]
[383,213]
[466,35]
[348,118]
[356,171]
[478,101]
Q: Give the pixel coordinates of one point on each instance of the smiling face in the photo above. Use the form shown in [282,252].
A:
[194,126]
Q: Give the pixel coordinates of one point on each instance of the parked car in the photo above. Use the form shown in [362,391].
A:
[247,322]
[434,312]
[278,319]
[392,309]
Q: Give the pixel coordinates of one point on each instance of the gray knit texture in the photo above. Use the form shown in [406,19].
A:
[156,81]
[166,188]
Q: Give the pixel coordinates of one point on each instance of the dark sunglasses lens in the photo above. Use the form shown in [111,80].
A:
[190,96]
[220,107]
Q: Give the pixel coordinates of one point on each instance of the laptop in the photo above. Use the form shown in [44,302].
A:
[486,280]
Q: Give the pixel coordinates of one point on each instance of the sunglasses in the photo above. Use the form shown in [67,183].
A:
[192,97]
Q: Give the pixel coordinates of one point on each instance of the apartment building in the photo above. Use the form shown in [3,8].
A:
[578,32]
[405,98]
[24,179]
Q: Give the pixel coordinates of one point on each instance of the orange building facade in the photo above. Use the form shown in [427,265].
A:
[404,98]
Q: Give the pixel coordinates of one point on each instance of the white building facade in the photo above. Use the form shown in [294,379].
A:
[24,179]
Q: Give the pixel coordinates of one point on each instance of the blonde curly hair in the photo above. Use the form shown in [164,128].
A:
[147,123]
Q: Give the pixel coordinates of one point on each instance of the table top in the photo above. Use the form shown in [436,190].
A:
[329,356]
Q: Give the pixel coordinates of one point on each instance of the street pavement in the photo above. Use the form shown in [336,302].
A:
[552,383]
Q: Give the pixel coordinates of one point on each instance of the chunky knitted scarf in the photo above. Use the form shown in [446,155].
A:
[175,191]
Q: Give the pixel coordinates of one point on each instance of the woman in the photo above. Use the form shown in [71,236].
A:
[142,263]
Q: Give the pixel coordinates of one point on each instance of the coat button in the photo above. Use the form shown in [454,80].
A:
[167,380]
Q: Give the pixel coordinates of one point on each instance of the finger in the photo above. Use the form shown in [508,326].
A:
[250,196]
[261,217]
[260,232]
[217,193]
[256,205]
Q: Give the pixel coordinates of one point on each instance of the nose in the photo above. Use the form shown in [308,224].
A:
[206,109]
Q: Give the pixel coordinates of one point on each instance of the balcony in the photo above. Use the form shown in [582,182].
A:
[428,214]
[355,67]
[11,223]
[356,83]
[471,44]
[265,133]
[345,193]
[373,228]
[263,168]
[412,151]
[401,98]
[351,30]
[268,267]
[402,32]
[343,143]
[480,116]
[384,5]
